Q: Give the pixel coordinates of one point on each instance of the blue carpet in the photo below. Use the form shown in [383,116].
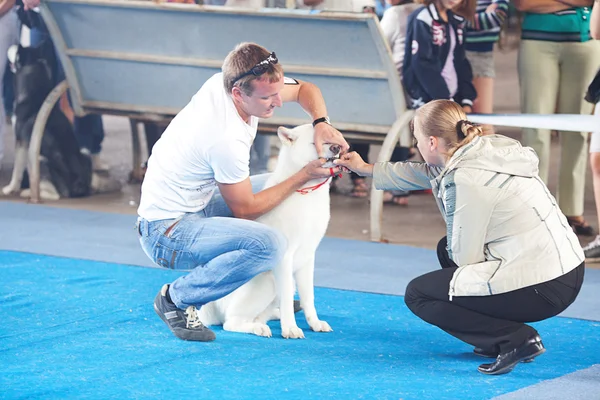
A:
[86,329]
[341,263]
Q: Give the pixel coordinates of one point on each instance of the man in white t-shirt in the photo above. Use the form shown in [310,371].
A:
[184,223]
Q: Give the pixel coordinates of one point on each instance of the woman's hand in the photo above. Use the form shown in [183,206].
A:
[353,162]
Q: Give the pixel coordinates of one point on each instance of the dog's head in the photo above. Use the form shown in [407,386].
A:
[299,149]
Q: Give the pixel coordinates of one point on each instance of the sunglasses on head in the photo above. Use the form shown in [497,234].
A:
[260,68]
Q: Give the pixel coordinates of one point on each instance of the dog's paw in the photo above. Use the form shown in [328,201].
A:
[292,333]
[6,190]
[320,326]
[262,330]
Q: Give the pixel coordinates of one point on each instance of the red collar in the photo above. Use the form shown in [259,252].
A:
[310,189]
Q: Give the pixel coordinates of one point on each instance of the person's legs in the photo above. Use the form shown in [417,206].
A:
[539,76]
[592,249]
[8,37]
[223,252]
[494,322]
[579,63]
[482,64]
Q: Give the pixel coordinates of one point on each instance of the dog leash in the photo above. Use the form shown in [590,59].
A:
[311,189]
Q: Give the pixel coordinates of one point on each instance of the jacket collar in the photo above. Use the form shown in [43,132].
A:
[452,18]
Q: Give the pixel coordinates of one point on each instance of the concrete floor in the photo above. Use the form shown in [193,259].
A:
[418,224]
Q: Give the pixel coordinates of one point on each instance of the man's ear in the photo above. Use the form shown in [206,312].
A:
[286,135]
[236,93]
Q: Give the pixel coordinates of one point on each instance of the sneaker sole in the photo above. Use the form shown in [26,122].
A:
[183,334]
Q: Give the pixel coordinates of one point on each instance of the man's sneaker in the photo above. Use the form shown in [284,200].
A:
[184,324]
[592,250]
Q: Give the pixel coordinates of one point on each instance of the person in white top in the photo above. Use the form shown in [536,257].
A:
[184,223]
[394,24]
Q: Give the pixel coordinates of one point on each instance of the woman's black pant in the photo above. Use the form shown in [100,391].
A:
[494,322]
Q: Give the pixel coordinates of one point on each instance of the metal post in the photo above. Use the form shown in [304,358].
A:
[36,138]
[387,148]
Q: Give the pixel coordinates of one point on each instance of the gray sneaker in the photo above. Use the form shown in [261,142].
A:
[592,250]
[184,324]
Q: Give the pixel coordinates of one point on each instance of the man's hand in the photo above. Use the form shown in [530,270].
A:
[315,170]
[325,133]
[30,4]
[353,162]
[467,109]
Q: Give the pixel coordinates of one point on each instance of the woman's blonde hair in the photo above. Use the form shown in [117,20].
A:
[445,119]
[241,60]
[465,9]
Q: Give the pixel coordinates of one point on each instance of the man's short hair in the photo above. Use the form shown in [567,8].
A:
[241,60]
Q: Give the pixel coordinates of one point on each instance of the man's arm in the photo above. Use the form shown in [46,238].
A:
[245,204]
[540,6]
[311,100]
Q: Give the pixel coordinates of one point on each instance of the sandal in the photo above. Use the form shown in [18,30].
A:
[396,199]
[581,227]
[360,188]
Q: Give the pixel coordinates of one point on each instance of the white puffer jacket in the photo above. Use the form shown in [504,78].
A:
[505,230]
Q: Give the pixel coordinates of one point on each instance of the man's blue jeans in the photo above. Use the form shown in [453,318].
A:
[222,252]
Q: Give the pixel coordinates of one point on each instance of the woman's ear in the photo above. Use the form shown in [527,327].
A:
[433,143]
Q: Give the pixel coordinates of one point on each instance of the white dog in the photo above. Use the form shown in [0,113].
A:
[302,218]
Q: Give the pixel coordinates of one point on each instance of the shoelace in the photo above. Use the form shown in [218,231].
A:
[193,321]
[594,243]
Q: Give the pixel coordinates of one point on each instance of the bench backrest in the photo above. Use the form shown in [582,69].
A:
[147,59]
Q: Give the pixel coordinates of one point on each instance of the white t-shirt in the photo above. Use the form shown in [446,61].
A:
[206,143]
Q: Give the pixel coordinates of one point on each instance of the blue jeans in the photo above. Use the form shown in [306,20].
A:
[222,252]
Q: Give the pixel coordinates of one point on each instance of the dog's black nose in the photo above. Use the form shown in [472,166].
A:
[335,149]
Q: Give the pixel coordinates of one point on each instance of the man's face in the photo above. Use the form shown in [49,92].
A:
[265,97]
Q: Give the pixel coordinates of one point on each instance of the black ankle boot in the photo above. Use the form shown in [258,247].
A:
[505,362]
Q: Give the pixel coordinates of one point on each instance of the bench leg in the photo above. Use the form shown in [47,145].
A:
[137,174]
[387,148]
[37,134]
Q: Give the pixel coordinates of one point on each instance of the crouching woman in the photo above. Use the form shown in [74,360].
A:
[509,256]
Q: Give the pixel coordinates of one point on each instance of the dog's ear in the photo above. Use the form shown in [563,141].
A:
[287,136]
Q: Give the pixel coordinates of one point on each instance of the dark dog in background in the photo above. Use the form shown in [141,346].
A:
[64,170]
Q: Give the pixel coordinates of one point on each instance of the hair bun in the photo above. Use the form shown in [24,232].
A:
[465,128]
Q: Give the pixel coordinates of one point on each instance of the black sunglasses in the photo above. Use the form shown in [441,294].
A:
[259,68]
